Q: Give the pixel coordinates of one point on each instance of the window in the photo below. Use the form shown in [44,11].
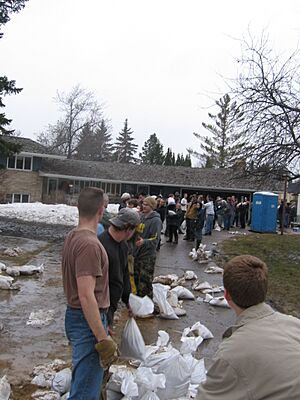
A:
[19,162]
[17,198]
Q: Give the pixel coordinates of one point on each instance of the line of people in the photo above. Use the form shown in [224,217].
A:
[96,276]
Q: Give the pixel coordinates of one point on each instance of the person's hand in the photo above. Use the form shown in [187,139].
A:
[107,350]
[139,242]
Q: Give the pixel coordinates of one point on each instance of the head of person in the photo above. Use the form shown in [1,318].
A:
[106,200]
[178,206]
[125,196]
[245,282]
[125,222]
[199,204]
[149,204]
[132,203]
[91,203]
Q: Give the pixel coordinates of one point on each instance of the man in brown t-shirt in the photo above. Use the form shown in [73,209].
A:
[85,281]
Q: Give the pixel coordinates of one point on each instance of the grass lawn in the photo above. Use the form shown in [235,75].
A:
[282,255]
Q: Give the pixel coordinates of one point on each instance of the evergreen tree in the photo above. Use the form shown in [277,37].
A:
[94,145]
[178,160]
[124,149]
[152,151]
[7,87]
[168,157]
[85,148]
[187,162]
[223,148]
[103,145]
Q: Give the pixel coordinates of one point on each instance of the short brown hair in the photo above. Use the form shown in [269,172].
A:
[246,279]
[89,202]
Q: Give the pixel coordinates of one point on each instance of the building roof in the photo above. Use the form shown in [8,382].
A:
[184,177]
[30,147]
[294,188]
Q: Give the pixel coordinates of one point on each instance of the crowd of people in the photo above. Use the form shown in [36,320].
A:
[106,256]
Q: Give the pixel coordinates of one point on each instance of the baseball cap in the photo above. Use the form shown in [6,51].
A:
[125,218]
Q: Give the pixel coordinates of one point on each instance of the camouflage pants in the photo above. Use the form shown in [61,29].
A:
[143,275]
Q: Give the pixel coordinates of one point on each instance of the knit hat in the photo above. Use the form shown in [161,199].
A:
[150,201]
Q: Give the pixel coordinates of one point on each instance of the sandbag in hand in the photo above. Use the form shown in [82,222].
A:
[108,352]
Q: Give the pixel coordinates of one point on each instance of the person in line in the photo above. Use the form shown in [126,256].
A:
[199,223]
[148,232]
[124,198]
[85,282]
[210,215]
[172,222]
[190,217]
[259,357]
[114,240]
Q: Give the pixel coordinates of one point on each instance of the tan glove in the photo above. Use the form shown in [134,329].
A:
[107,350]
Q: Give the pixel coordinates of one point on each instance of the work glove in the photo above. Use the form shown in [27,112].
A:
[108,352]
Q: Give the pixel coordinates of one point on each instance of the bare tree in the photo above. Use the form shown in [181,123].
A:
[80,109]
[268,91]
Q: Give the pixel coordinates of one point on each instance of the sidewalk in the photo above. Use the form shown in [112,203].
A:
[175,259]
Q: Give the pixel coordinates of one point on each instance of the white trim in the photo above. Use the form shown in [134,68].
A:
[27,153]
[81,178]
[21,197]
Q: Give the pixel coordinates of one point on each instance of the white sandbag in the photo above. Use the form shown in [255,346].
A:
[189,275]
[179,311]
[129,388]
[65,396]
[156,359]
[183,293]
[214,269]
[4,388]
[216,301]
[132,343]
[172,298]
[213,289]
[163,338]
[46,395]
[150,396]
[149,382]
[190,344]
[141,306]
[62,381]
[118,376]
[166,279]
[2,266]
[201,285]
[198,329]
[13,271]
[40,318]
[199,372]
[4,284]
[193,254]
[31,269]
[160,297]
[177,375]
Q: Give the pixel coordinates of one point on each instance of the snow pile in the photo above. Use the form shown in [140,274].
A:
[54,214]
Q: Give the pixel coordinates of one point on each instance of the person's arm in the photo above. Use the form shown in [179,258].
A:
[86,286]
[224,383]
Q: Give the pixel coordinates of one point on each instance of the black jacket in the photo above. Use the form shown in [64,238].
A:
[119,282]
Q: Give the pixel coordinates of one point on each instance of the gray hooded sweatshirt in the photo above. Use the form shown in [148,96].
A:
[149,229]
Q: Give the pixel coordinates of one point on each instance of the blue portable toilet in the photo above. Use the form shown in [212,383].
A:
[264,212]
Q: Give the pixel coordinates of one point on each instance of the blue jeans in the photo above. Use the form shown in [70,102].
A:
[209,224]
[87,374]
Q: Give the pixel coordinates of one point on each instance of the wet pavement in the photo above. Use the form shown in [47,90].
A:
[22,347]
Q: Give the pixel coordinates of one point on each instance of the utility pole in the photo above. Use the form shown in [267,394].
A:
[283,206]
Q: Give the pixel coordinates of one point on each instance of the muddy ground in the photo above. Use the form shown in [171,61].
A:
[22,347]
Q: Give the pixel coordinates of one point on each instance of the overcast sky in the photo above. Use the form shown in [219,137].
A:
[158,63]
